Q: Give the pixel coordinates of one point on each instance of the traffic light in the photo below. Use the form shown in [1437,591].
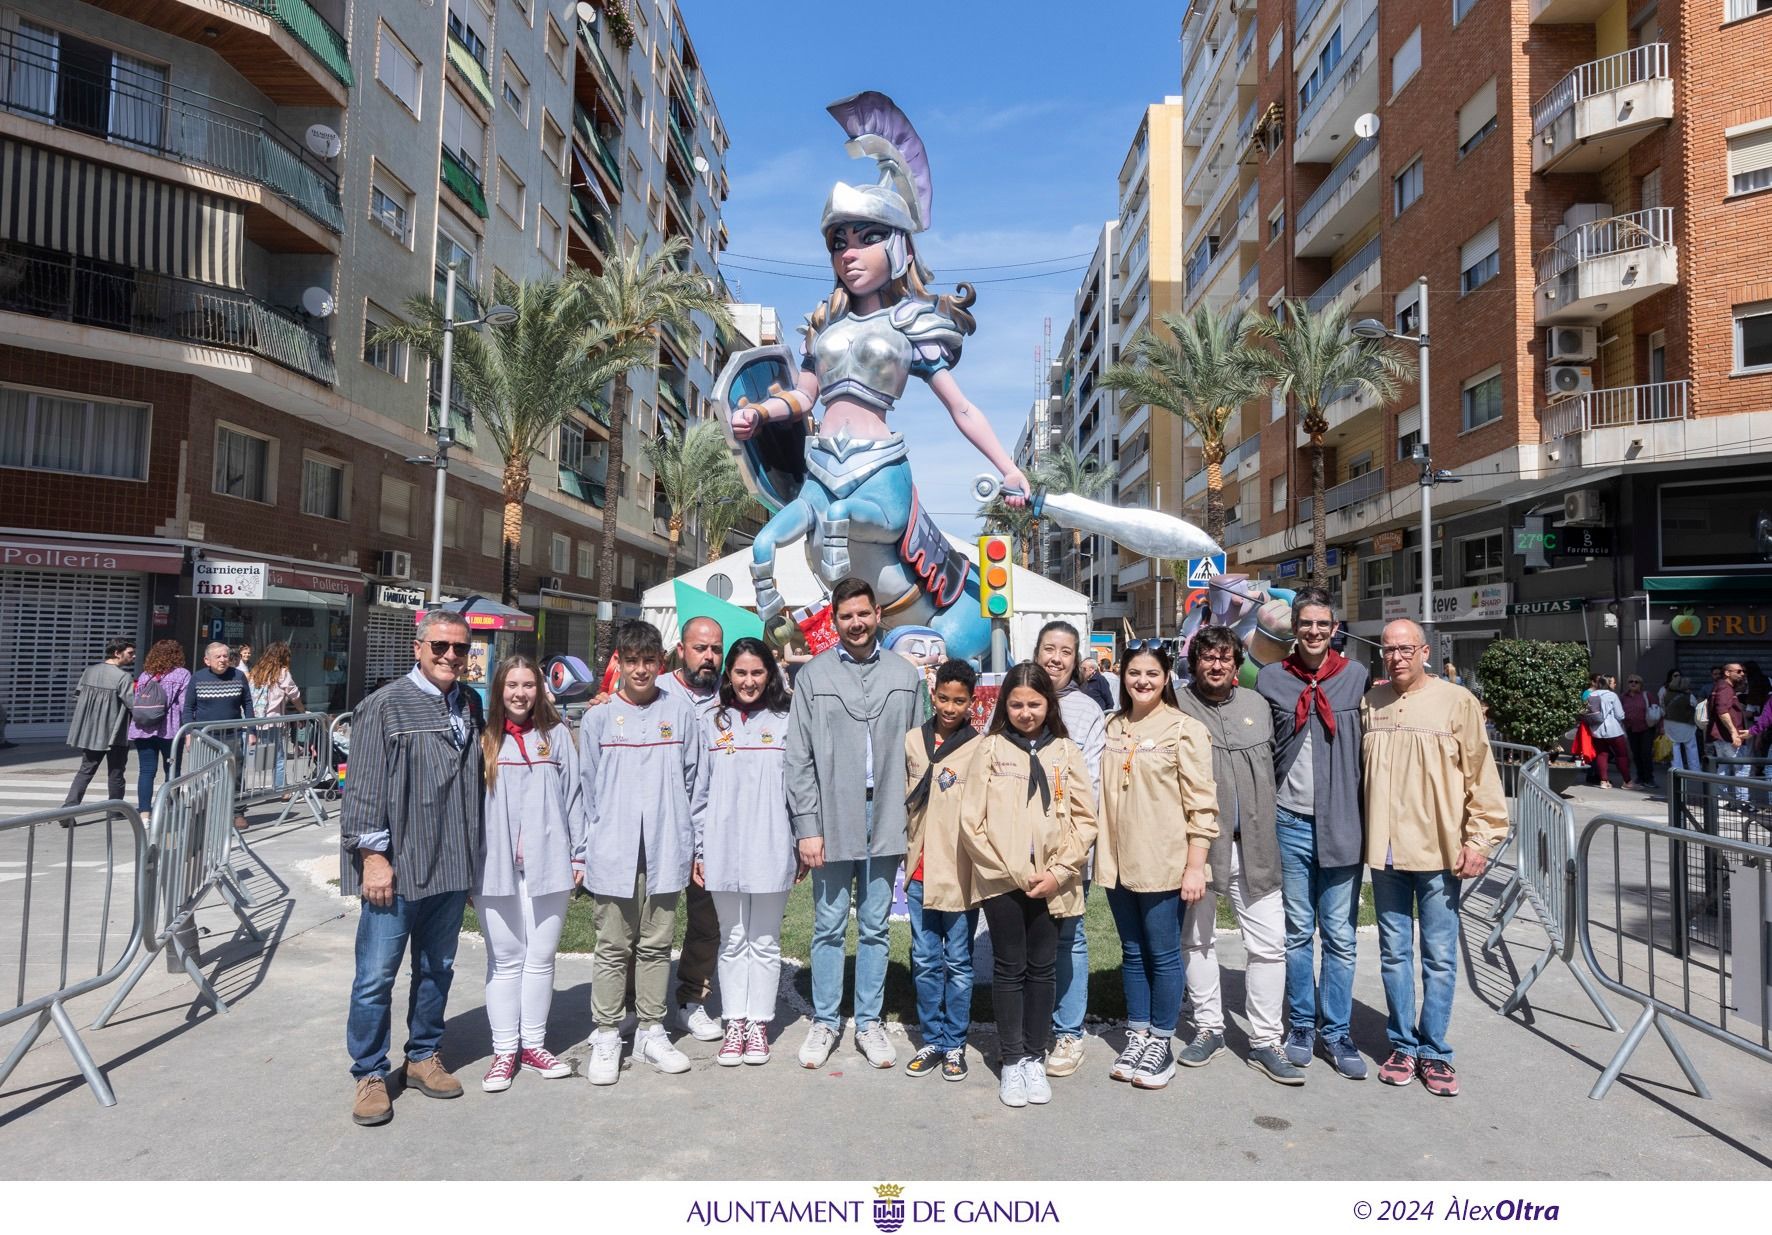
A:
[996,572]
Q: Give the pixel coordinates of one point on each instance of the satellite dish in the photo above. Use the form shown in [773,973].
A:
[701,165]
[1366,125]
[323,141]
[317,302]
[587,12]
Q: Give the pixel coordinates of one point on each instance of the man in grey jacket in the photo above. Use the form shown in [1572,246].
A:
[101,713]
[846,786]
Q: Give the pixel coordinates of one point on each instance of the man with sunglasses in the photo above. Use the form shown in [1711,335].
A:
[1434,813]
[411,834]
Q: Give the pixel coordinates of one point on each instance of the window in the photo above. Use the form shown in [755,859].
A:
[86,87]
[386,355]
[586,559]
[1649,190]
[1482,399]
[1277,493]
[1406,63]
[243,464]
[513,199]
[323,487]
[1408,432]
[65,433]
[1753,337]
[1481,557]
[1276,223]
[560,554]
[1712,523]
[463,134]
[396,507]
[1276,406]
[527,8]
[390,204]
[1406,188]
[452,252]
[553,142]
[1479,260]
[1476,119]
[556,48]
[526,548]
[1460,8]
[1375,577]
[463,31]
[638,98]
[1750,157]
[1361,464]
[1409,309]
[453,510]
[491,532]
[1739,9]
[1327,59]
[516,91]
[399,70]
[547,237]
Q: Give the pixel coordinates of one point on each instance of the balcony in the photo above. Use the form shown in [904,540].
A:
[464,183]
[1247,287]
[1342,204]
[1347,493]
[1239,533]
[1567,12]
[1604,267]
[1138,420]
[1245,64]
[1601,110]
[1617,407]
[611,84]
[1354,285]
[1133,575]
[1133,470]
[1345,406]
[599,146]
[680,139]
[61,287]
[288,51]
[463,60]
[1248,450]
[1350,89]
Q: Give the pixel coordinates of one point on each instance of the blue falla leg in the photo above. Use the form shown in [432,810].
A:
[787,525]
[965,630]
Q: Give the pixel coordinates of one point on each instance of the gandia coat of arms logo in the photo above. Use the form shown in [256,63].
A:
[888,1207]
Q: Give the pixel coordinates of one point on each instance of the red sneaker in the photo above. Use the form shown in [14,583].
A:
[498,1076]
[756,1042]
[1438,1078]
[732,1045]
[538,1060]
[1399,1069]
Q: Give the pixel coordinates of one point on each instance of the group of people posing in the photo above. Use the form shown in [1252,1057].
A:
[712,786]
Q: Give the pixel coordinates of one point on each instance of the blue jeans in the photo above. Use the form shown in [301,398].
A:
[1397,894]
[150,753]
[1150,947]
[941,967]
[1072,972]
[830,926]
[1319,899]
[433,925]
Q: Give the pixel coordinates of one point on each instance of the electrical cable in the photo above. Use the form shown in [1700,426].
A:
[827,280]
[1044,261]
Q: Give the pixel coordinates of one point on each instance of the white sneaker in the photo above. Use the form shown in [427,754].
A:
[821,1040]
[1012,1087]
[604,1065]
[1039,1089]
[657,1049]
[697,1023]
[878,1048]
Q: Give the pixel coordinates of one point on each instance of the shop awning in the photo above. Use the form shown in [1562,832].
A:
[1695,589]
[484,614]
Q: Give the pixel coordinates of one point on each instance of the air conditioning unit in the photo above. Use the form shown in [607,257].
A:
[1583,508]
[1571,344]
[1563,381]
[394,564]
[552,583]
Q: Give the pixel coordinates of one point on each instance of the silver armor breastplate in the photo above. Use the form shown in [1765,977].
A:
[867,359]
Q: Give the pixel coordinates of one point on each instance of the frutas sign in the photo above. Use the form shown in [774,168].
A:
[1721,624]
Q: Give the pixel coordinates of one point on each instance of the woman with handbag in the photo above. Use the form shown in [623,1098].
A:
[1642,717]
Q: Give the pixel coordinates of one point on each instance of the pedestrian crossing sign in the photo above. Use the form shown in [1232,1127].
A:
[1201,569]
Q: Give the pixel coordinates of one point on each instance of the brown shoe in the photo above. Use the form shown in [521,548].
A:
[240,824]
[372,1107]
[430,1079]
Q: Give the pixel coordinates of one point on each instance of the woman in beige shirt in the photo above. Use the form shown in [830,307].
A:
[1027,820]
[1159,818]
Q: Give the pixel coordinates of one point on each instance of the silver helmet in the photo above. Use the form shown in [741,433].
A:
[902,198]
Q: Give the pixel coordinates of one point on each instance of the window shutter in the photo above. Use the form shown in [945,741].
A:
[1478,111]
[1409,422]
[1480,246]
[1751,152]
[1407,61]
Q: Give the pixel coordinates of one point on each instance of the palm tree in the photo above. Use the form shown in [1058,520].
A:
[1016,522]
[1204,373]
[728,504]
[637,296]
[1063,471]
[1316,359]
[522,380]
[694,469]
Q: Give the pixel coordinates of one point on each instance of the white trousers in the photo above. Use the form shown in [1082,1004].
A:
[522,934]
[1264,941]
[750,952]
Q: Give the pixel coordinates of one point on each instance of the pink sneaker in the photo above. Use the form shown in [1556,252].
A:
[498,1076]
[732,1047]
[538,1060]
[1399,1069]
[756,1042]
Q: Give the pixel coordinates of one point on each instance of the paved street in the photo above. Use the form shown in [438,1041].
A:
[263,1091]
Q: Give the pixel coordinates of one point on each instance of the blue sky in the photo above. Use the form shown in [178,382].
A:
[1027,111]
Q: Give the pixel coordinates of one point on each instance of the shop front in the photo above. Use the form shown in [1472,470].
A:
[388,628]
[495,631]
[1466,620]
[1713,620]
[310,606]
[566,623]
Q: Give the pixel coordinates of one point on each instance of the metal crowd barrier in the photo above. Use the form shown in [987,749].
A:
[1657,965]
[1716,805]
[75,976]
[1516,763]
[300,741]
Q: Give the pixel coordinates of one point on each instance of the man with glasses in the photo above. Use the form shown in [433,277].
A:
[410,830]
[1727,723]
[1434,813]
[1314,696]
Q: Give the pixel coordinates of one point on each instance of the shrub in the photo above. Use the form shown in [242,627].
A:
[1533,688]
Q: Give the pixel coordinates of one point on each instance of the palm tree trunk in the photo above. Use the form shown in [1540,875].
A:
[1215,499]
[1319,519]
[618,423]
[676,526]
[515,489]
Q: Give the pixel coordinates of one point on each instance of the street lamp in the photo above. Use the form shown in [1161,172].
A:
[497,315]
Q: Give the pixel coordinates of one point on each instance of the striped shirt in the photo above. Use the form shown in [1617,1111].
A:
[220,696]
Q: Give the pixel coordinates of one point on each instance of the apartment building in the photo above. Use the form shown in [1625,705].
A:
[1092,424]
[1583,186]
[210,206]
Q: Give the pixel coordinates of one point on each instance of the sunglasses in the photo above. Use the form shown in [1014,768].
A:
[1148,645]
[441,646]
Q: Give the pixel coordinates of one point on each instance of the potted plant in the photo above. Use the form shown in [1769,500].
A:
[1533,692]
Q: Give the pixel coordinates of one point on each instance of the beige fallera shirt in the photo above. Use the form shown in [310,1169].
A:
[1431,783]
[1010,838]
[1158,800]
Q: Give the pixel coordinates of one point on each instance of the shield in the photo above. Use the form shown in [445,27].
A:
[773,461]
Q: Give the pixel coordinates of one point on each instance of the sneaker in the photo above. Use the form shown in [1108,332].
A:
[873,1043]
[953,1065]
[431,1079]
[1343,1057]
[1066,1056]
[697,1023]
[1275,1065]
[1033,1077]
[821,1040]
[657,1049]
[498,1076]
[542,1062]
[1206,1046]
[756,1042]
[1127,1063]
[1438,1078]
[1012,1085]
[925,1061]
[1156,1065]
[371,1107]
[604,1065]
[732,1047]
[1399,1069]
[1299,1045]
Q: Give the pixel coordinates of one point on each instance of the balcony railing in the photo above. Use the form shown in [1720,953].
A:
[1196,484]
[1645,63]
[587,38]
[1347,493]
[1344,170]
[464,183]
[1239,533]
[468,64]
[1353,62]
[311,30]
[1342,279]
[680,140]
[1246,128]
[1201,261]
[596,144]
[1245,48]
[1618,406]
[65,288]
[1622,233]
[145,112]
[1251,278]
[1307,13]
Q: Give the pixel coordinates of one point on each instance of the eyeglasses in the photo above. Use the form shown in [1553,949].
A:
[440,647]
[1218,658]
[1405,649]
[1316,626]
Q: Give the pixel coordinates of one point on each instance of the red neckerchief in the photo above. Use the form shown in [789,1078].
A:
[517,731]
[1312,695]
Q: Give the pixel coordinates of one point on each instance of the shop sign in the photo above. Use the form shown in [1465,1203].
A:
[1564,541]
[162,616]
[1291,568]
[1462,604]
[1527,608]
[337,585]
[399,597]
[31,553]
[228,580]
[1721,624]
[1387,542]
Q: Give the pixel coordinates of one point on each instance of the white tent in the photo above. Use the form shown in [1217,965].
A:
[1038,600]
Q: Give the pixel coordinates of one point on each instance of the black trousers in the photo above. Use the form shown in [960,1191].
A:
[1642,755]
[1024,943]
[114,759]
